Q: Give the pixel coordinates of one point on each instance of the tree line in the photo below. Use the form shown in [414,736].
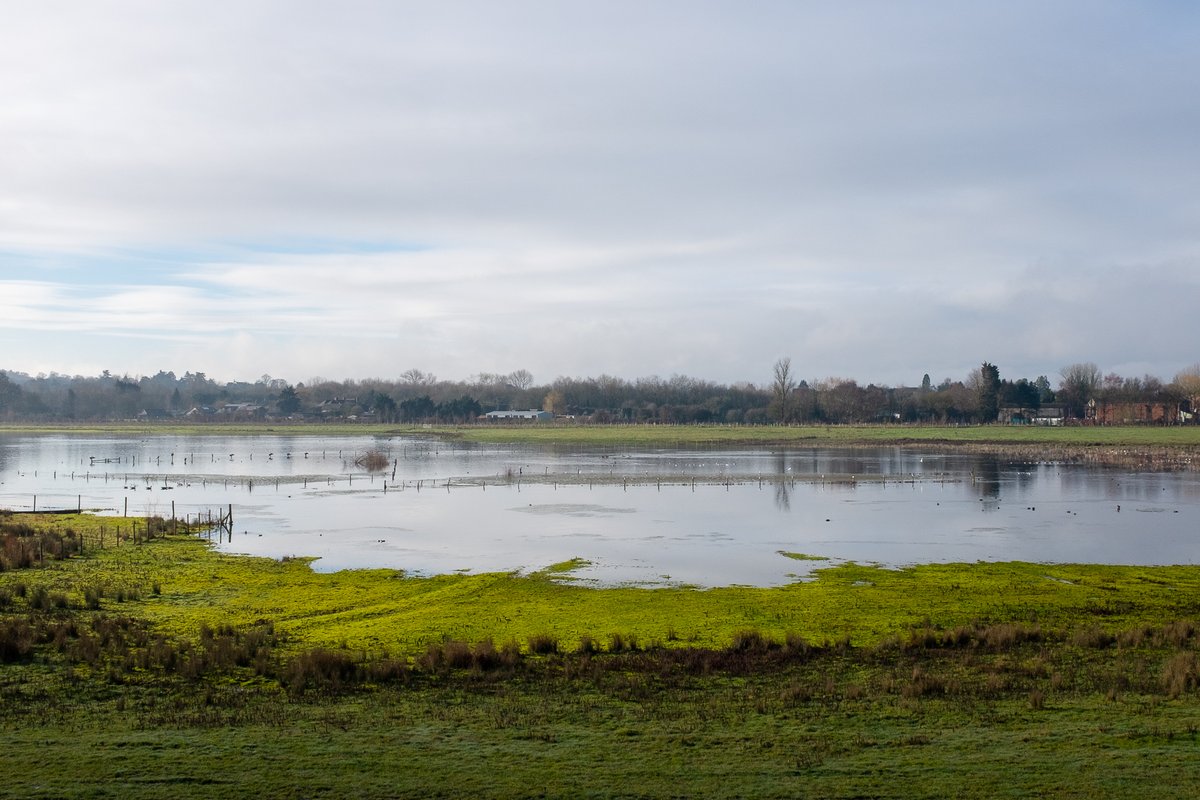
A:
[416,396]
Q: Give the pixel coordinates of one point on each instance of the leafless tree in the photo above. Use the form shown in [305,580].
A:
[520,379]
[1079,382]
[782,386]
[418,378]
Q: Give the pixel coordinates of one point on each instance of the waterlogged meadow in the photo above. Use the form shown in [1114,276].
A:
[138,659]
[158,667]
[632,514]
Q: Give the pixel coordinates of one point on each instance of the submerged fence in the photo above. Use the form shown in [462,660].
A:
[114,531]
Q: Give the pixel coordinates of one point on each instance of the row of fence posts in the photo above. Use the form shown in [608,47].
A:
[221,523]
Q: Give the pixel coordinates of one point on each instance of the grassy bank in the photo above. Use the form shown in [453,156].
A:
[675,435]
[667,435]
[163,669]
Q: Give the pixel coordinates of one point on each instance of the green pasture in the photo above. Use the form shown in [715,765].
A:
[676,435]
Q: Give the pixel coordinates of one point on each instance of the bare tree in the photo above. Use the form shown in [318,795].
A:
[520,379]
[1188,381]
[1078,386]
[782,386]
[418,378]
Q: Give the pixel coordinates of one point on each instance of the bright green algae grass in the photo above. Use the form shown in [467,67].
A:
[389,611]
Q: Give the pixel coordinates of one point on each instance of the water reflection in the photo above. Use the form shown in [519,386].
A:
[696,515]
[783,492]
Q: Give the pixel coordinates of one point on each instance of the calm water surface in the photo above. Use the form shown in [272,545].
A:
[706,517]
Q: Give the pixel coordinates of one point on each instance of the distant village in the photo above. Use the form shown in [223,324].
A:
[1082,395]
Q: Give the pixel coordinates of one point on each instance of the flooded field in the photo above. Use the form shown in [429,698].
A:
[705,517]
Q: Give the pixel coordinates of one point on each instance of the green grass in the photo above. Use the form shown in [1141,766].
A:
[674,435]
[386,610]
[736,738]
[664,435]
[973,680]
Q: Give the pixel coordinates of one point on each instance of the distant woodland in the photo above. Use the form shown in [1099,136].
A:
[1080,393]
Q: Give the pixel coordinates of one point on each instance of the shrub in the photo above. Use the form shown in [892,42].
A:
[373,461]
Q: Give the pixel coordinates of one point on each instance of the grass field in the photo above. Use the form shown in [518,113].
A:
[703,435]
[164,669]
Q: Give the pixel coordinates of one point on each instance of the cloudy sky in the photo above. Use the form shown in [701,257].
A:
[351,189]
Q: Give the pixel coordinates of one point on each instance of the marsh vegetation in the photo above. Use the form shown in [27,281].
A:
[165,668]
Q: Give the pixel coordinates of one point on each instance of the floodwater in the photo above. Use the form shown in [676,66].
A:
[709,517]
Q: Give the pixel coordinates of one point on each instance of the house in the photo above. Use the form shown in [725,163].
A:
[1124,413]
[533,414]
[1050,415]
[243,409]
[1046,415]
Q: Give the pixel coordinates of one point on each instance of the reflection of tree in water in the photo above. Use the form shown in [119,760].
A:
[783,495]
[783,490]
[986,474]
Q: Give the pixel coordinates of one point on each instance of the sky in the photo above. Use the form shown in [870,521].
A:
[876,190]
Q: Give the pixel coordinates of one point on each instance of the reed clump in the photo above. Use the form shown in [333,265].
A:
[373,461]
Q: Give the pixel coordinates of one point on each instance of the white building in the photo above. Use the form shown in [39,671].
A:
[540,416]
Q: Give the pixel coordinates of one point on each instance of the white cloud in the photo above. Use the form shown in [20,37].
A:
[878,189]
